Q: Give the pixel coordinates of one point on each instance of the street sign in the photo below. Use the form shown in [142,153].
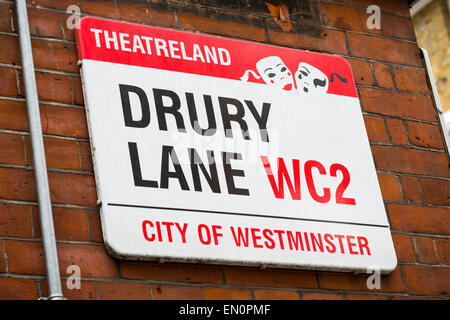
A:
[215,150]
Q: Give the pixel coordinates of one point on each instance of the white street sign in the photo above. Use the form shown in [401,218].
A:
[216,150]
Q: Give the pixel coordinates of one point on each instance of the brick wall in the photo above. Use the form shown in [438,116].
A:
[406,141]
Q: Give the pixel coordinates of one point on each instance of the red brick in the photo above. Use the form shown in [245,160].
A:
[95,228]
[103,8]
[344,281]
[212,293]
[407,160]
[15,221]
[221,27]
[12,149]
[397,104]
[397,7]
[436,191]
[86,157]
[93,260]
[26,257]
[425,249]
[68,188]
[270,278]
[383,75]
[409,298]
[376,128]
[342,17]
[383,49]
[143,13]
[397,131]
[53,87]
[404,247]
[5,18]
[60,4]
[2,258]
[321,296]
[9,50]
[390,187]
[86,292]
[275,295]
[123,291]
[265,9]
[69,224]
[328,40]
[18,289]
[443,250]
[54,148]
[77,91]
[398,27]
[425,135]
[64,121]
[68,31]
[13,115]
[168,292]
[17,184]
[427,280]
[63,55]
[411,218]
[411,188]
[410,79]
[171,272]
[364,297]
[362,72]
[45,23]
[8,85]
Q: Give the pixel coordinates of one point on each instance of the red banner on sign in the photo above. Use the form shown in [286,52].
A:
[287,69]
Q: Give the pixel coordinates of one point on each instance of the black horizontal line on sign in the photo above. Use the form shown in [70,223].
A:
[244,214]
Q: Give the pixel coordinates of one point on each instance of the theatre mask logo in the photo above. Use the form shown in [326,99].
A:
[216,150]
